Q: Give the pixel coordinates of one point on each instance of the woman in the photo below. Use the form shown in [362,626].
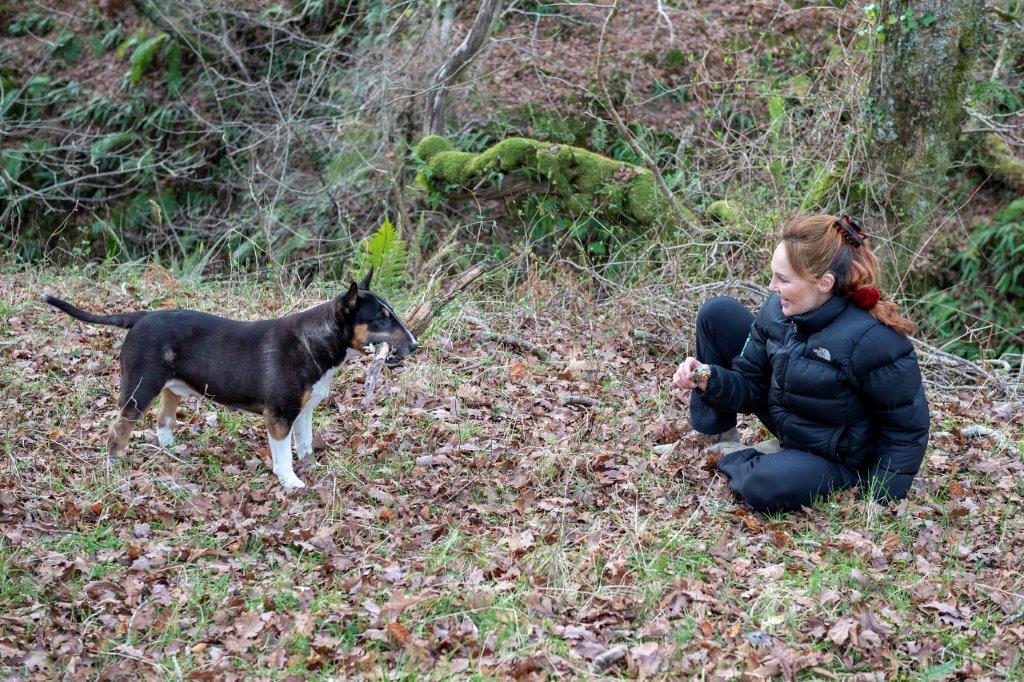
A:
[826,366]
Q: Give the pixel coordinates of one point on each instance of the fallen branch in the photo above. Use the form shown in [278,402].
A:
[373,374]
[516,342]
[420,317]
[962,367]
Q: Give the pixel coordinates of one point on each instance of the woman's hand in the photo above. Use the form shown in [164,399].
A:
[682,377]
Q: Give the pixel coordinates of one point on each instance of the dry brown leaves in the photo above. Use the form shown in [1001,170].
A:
[470,523]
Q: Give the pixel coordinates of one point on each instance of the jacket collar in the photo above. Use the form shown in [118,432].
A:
[815,320]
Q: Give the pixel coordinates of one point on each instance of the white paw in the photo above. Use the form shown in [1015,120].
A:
[164,437]
[290,481]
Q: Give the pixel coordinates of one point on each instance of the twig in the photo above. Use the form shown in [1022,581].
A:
[373,374]
[982,431]
[477,322]
[668,20]
[965,365]
[583,400]
[516,342]
[627,134]
[607,659]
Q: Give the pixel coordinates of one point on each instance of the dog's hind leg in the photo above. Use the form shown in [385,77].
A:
[302,430]
[136,395]
[279,434]
[120,431]
[166,416]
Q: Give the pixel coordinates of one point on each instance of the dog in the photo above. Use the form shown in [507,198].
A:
[279,368]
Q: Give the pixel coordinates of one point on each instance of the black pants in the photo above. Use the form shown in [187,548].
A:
[781,481]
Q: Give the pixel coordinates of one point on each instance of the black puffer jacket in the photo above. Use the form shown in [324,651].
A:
[837,383]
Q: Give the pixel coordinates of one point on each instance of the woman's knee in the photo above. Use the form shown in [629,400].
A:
[769,492]
[716,309]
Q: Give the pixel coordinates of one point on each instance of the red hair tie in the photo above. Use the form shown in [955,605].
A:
[865,298]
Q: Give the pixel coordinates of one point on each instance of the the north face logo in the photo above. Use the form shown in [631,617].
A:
[823,354]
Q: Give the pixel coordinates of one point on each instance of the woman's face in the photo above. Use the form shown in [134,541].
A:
[798,295]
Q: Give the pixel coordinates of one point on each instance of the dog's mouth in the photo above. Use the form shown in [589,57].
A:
[394,358]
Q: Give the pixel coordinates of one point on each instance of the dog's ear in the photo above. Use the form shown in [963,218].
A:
[365,283]
[345,304]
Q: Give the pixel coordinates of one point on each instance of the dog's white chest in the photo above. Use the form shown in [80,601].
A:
[323,385]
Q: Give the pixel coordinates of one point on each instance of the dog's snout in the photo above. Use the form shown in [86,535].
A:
[413,345]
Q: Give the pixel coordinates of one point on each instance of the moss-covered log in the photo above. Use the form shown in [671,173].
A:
[1000,160]
[920,79]
[583,181]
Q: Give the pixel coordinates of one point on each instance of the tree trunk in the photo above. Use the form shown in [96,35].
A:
[433,120]
[919,82]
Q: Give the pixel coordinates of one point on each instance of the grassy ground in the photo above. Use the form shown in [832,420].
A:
[471,524]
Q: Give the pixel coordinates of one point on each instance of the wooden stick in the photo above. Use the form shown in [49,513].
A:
[417,322]
[373,374]
[516,342]
[584,400]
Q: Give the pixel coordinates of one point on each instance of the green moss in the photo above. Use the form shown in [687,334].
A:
[432,145]
[451,166]
[1012,212]
[999,159]
[594,170]
[585,181]
[644,200]
[724,211]
[509,154]
[578,204]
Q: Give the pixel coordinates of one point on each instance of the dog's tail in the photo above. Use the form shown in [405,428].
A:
[124,320]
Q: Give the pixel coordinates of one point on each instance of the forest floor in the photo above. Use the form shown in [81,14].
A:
[472,523]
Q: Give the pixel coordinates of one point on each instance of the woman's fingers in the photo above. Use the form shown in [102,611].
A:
[682,375]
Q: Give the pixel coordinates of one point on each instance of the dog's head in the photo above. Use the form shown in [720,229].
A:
[373,321]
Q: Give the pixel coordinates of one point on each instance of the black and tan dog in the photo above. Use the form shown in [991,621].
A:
[277,368]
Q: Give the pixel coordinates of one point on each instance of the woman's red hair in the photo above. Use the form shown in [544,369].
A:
[815,245]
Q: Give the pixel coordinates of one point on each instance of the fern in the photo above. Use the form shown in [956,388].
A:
[173,78]
[386,252]
[143,55]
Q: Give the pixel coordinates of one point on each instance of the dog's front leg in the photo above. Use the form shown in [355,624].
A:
[279,434]
[303,433]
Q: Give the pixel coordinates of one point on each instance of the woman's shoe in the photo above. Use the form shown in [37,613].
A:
[724,443]
[768,447]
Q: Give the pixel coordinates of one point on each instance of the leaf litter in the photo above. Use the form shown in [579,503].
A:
[470,522]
